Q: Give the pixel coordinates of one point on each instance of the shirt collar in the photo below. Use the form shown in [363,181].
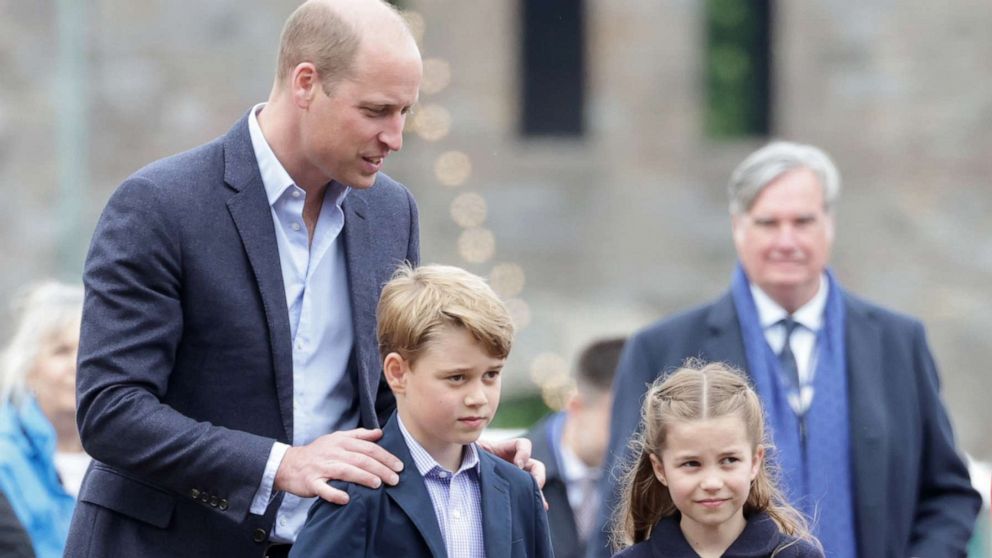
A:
[274,176]
[425,463]
[572,468]
[809,315]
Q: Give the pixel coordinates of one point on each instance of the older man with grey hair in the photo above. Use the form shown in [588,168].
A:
[850,389]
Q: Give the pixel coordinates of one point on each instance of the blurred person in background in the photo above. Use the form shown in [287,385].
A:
[14,540]
[41,459]
[851,390]
[571,443]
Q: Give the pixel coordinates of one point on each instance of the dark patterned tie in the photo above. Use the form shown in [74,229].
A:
[786,358]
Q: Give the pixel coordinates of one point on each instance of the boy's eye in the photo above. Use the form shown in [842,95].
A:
[491,375]
[455,378]
[730,460]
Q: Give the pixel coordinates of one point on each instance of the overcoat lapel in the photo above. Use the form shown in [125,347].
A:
[252,216]
[496,512]
[358,248]
[410,494]
[724,343]
[865,385]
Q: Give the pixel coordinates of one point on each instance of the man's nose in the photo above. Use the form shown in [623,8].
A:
[785,236]
[392,134]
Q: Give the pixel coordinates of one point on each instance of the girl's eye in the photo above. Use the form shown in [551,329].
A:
[690,464]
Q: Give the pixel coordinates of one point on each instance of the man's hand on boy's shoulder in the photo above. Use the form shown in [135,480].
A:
[349,455]
[517,451]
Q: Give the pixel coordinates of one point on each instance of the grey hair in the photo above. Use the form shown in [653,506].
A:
[765,165]
[42,310]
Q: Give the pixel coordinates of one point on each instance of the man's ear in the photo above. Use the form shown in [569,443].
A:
[574,404]
[304,83]
[395,368]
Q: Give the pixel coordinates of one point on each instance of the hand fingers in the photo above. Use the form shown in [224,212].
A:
[521,455]
[536,470]
[362,434]
[351,473]
[372,458]
[329,493]
[516,451]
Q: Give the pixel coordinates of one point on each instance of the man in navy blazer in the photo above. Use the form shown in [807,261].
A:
[227,363]
[898,484]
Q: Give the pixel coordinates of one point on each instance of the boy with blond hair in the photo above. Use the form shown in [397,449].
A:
[444,336]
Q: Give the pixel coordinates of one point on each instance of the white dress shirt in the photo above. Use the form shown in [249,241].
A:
[319,302]
[809,320]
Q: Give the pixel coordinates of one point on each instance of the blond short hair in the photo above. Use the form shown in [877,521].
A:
[320,33]
[418,302]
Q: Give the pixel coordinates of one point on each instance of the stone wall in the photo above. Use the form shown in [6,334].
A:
[590,236]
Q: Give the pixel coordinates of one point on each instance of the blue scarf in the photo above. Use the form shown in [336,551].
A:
[816,476]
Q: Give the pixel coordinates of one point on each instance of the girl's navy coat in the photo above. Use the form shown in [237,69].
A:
[759,539]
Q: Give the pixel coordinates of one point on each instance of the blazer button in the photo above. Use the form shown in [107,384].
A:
[204,497]
[194,493]
[214,501]
[259,535]
[222,505]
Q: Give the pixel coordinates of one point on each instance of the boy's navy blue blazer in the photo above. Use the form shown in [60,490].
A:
[399,520]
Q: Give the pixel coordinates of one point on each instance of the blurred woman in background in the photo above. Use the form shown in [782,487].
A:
[41,458]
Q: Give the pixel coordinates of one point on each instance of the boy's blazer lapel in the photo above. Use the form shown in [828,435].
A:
[410,493]
[496,512]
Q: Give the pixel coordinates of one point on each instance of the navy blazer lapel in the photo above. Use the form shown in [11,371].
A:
[358,248]
[497,515]
[410,494]
[724,342]
[249,208]
[866,385]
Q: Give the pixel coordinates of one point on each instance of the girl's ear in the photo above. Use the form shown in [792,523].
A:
[395,369]
[659,469]
[756,463]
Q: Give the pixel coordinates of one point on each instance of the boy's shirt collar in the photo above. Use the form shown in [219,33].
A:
[426,464]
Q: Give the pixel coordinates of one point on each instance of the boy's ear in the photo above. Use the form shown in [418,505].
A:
[395,369]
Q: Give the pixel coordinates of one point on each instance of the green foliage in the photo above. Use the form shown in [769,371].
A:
[737,68]
[520,411]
